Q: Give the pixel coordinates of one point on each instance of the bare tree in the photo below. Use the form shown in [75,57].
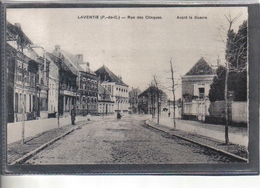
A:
[173,93]
[228,41]
[157,91]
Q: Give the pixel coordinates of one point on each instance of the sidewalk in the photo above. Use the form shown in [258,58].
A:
[34,127]
[237,135]
[16,150]
[206,134]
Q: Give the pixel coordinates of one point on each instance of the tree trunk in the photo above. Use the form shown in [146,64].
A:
[226,106]
[173,93]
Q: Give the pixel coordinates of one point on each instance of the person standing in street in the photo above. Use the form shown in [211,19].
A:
[118,116]
[73,116]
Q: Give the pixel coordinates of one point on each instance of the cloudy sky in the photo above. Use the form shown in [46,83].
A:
[136,49]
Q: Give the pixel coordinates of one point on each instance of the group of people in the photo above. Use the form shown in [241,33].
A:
[73,116]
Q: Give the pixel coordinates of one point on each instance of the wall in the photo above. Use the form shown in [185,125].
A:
[190,83]
[239,112]
[196,107]
[216,110]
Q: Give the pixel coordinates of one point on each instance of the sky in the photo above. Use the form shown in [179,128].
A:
[135,49]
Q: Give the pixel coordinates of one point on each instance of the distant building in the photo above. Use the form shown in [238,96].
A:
[105,102]
[118,89]
[196,82]
[149,99]
[133,99]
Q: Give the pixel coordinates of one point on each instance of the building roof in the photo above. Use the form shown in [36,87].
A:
[12,31]
[71,61]
[106,75]
[201,68]
[149,90]
[135,89]
[56,61]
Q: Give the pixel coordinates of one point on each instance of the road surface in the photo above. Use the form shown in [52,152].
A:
[127,141]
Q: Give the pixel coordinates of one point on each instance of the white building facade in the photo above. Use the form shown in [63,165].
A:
[118,89]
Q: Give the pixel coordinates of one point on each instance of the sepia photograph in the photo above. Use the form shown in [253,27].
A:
[127,86]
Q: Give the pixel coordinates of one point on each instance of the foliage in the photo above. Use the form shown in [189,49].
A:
[216,92]
[237,82]
[236,47]
[236,56]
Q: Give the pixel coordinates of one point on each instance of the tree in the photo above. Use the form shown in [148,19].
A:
[237,82]
[216,92]
[236,55]
[173,93]
[236,60]
[236,51]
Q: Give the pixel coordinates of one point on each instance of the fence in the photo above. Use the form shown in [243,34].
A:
[196,110]
[214,112]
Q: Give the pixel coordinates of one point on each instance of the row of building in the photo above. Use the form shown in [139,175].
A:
[42,84]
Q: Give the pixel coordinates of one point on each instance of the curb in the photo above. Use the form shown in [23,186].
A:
[37,150]
[203,145]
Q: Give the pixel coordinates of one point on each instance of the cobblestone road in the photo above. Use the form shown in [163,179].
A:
[127,141]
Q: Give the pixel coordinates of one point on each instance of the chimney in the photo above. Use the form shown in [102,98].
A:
[80,57]
[88,69]
[85,66]
[18,25]
[57,47]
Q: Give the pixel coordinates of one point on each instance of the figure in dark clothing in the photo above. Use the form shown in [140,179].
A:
[169,114]
[73,116]
[118,116]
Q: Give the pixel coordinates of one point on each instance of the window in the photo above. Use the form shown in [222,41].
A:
[201,92]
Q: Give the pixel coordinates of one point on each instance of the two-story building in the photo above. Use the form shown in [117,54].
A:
[151,99]
[27,77]
[115,85]
[195,90]
[82,87]
[196,82]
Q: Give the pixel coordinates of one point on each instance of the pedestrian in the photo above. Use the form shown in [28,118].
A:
[73,116]
[169,114]
[118,116]
[88,117]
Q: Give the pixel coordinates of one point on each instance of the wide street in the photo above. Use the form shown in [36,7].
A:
[126,141]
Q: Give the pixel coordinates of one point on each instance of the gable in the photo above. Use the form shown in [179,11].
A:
[106,75]
[201,68]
